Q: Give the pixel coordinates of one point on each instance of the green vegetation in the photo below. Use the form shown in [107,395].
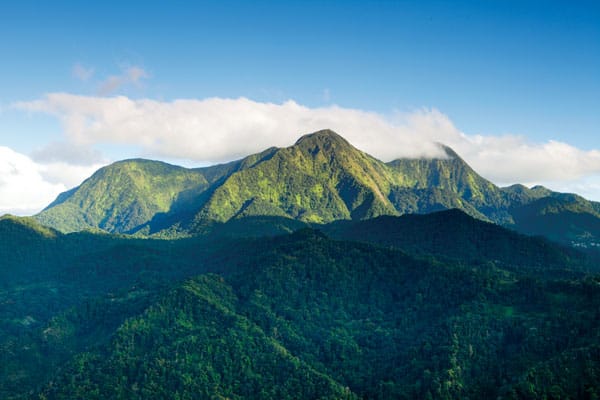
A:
[292,276]
[434,306]
[124,196]
[349,301]
[567,218]
[453,234]
[448,183]
[320,179]
[193,344]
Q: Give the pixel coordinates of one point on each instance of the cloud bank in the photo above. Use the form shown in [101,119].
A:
[23,188]
[218,129]
[27,186]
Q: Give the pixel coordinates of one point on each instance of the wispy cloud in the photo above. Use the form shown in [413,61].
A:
[70,153]
[218,129]
[82,72]
[130,76]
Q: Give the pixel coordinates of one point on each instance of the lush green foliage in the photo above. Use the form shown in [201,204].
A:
[455,235]
[448,183]
[192,344]
[124,196]
[417,306]
[297,316]
[320,179]
[566,218]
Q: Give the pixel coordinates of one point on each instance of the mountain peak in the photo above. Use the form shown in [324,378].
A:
[321,178]
[326,145]
[324,137]
[122,196]
[10,224]
[450,153]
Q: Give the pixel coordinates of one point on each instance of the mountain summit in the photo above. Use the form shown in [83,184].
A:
[122,196]
[319,179]
[325,137]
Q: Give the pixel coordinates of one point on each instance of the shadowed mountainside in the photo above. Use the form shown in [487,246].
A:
[88,315]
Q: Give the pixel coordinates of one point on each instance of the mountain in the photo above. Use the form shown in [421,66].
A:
[23,239]
[296,315]
[122,196]
[294,274]
[452,234]
[445,183]
[319,179]
[194,343]
[16,229]
[561,217]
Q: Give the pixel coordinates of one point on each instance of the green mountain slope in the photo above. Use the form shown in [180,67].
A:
[24,240]
[10,224]
[455,235]
[320,179]
[123,196]
[61,294]
[561,217]
[303,316]
[447,183]
[194,343]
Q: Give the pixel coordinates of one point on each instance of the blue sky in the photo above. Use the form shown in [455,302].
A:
[524,73]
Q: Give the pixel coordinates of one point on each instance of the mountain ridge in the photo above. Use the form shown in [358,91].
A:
[319,179]
[111,316]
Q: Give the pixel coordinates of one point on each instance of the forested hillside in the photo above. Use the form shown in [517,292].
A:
[300,315]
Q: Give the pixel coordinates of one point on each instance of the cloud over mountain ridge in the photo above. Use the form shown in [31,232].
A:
[205,131]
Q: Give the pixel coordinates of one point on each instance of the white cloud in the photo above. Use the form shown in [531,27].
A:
[26,186]
[130,76]
[67,175]
[82,72]
[70,153]
[511,159]
[23,189]
[217,129]
[588,186]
